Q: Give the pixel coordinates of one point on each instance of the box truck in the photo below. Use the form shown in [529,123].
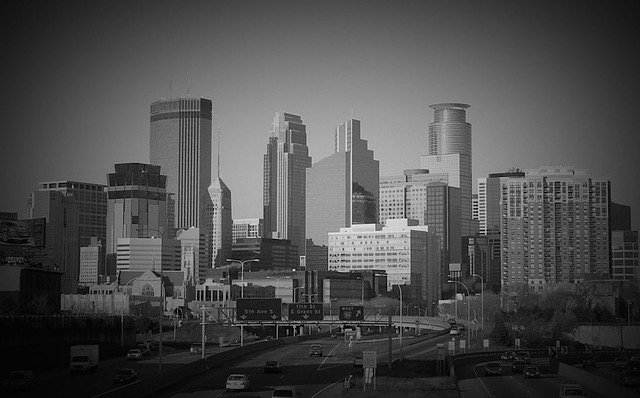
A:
[84,358]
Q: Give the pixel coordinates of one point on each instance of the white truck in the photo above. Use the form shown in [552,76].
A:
[84,358]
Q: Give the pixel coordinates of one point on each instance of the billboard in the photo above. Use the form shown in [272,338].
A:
[28,233]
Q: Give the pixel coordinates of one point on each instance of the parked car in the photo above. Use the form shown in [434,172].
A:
[19,380]
[492,369]
[571,391]
[238,382]
[125,376]
[315,349]
[272,367]
[508,356]
[455,331]
[631,377]
[634,363]
[196,348]
[518,366]
[134,354]
[620,363]
[524,356]
[531,371]
[284,392]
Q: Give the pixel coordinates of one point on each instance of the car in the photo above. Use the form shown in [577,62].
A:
[631,377]
[13,232]
[315,349]
[134,354]
[125,376]
[357,361]
[589,361]
[238,382]
[451,321]
[620,363]
[19,380]
[518,365]
[150,344]
[508,356]
[454,330]
[531,371]
[196,348]
[492,369]
[634,363]
[524,356]
[284,392]
[272,367]
[571,391]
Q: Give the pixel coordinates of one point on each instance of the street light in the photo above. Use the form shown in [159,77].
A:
[468,311]
[401,326]
[294,292]
[481,299]
[242,262]
[278,281]
[161,290]
[122,315]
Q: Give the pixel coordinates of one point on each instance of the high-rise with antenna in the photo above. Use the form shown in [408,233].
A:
[219,219]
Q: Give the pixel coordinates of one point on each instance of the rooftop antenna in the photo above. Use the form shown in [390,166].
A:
[170,87]
[351,113]
[218,152]
[188,86]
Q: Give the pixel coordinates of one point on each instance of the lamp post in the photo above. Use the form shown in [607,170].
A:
[278,281]
[242,262]
[122,315]
[468,311]
[175,322]
[294,292]
[481,300]
[401,327]
[331,314]
[161,291]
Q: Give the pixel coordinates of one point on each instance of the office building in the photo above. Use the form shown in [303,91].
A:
[220,224]
[405,196]
[450,152]
[625,255]
[285,171]
[138,206]
[489,201]
[148,254]
[247,228]
[409,254]
[180,143]
[342,189]
[555,227]
[193,252]
[90,260]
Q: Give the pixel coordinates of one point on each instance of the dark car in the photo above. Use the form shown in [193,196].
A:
[524,356]
[492,368]
[518,366]
[125,375]
[531,371]
[508,356]
[19,380]
[589,361]
[571,391]
[315,349]
[272,367]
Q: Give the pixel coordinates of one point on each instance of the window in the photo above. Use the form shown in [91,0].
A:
[147,290]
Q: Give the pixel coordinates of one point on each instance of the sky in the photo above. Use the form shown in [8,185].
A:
[548,83]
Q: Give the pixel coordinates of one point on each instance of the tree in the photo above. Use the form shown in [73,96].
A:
[500,333]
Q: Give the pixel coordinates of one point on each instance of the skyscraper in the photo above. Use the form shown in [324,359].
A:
[489,201]
[137,206]
[181,144]
[555,227]
[285,180]
[342,189]
[221,223]
[450,152]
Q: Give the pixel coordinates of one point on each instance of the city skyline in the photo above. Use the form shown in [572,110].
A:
[546,85]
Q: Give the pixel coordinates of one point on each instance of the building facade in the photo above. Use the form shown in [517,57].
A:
[220,220]
[409,254]
[148,254]
[449,152]
[625,255]
[285,164]
[247,228]
[488,190]
[180,143]
[90,259]
[554,227]
[342,189]
[137,206]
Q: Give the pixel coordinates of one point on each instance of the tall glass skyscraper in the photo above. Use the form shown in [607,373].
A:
[342,189]
[450,152]
[181,145]
[285,180]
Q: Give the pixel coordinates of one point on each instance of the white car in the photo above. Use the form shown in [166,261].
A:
[238,382]
[134,354]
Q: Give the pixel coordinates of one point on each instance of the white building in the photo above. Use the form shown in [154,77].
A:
[407,252]
[89,263]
